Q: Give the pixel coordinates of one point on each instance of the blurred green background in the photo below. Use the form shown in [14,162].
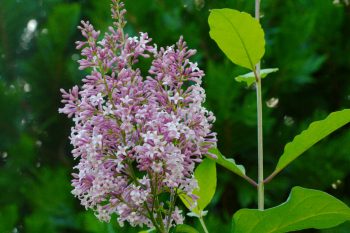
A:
[309,41]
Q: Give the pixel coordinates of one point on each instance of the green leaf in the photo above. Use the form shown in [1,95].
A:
[249,78]
[148,231]
[229,164]
[206,177]
[309,137]
[238,35]
[304,209]
[183,228]
[205,174]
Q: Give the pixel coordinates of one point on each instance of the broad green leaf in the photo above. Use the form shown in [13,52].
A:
[229,164]
[249,78]
[190,204]
[304,209]
[183,228]
[205,174]
[206,177]
[315,133]
[238,35]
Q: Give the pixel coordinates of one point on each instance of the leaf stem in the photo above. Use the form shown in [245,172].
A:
[260,125]
[250,181]
[270,177]
[201,220]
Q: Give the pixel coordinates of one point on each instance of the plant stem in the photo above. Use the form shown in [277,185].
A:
[201,220]
[260,147]
[257,10]
[260,125]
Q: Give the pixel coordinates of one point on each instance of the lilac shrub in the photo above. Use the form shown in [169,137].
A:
[136,138]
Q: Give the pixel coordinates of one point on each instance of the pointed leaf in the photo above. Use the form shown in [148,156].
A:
[238,35]
[205,174]
[304,209]
[315,133]
[249,78]
[229,164]
[149,231]
[206,177]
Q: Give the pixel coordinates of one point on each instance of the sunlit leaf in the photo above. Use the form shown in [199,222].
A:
[315,133]
[304,209]
[229,164]
[238,35]
[205,174]
[148,231]
[249,78]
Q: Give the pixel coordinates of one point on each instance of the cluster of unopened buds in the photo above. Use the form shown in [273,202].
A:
[137,138]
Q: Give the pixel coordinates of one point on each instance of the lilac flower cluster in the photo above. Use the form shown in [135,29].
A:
[136,138]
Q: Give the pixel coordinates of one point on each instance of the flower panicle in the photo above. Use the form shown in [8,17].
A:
[135,137]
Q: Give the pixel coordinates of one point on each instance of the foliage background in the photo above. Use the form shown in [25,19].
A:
[307,40]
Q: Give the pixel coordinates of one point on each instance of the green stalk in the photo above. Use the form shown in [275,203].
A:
[260,125]
[201,220]
[260,147]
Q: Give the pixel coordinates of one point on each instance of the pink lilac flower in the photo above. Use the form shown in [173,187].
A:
[136,137]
